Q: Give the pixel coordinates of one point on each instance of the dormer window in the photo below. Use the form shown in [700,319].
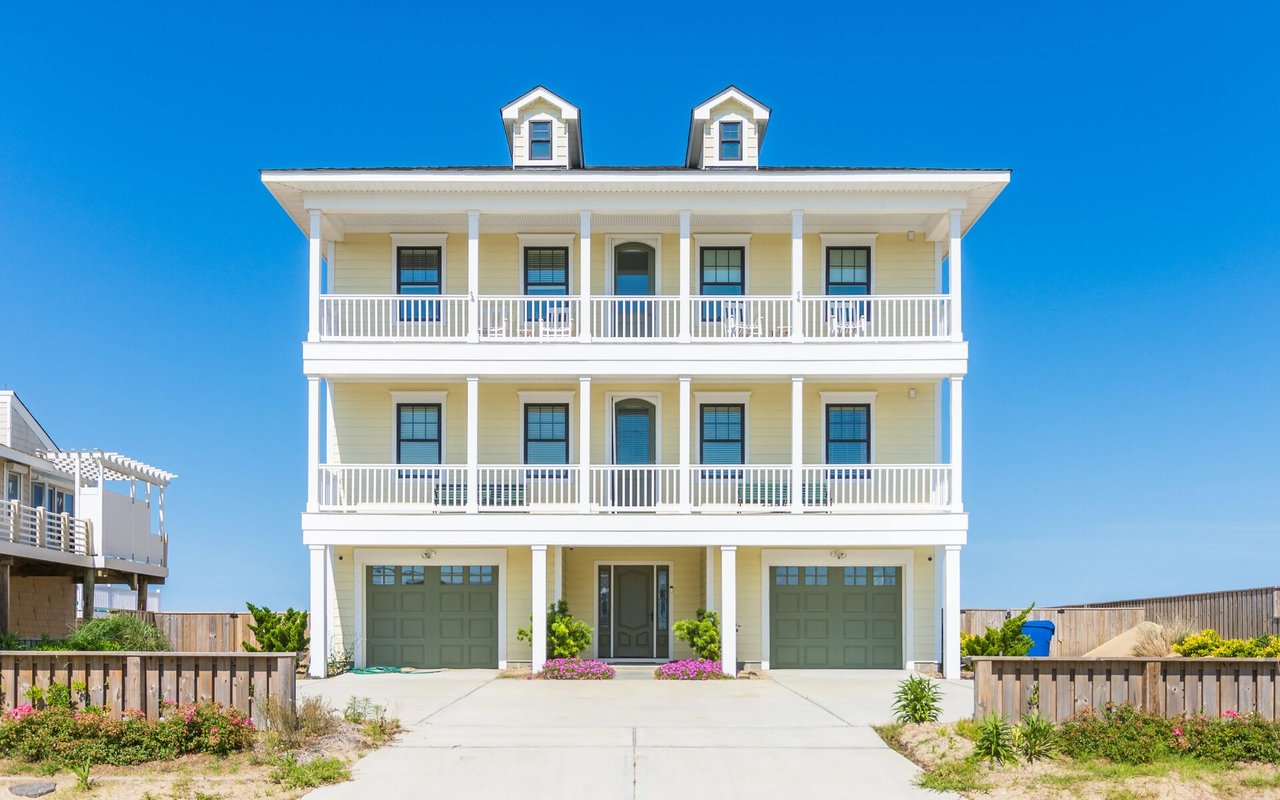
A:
[730,141]
[540,140]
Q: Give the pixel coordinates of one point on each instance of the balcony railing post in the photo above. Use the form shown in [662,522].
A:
[64,522]
[15,519]
[41,533]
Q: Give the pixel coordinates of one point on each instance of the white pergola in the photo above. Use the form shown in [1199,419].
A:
[92,467]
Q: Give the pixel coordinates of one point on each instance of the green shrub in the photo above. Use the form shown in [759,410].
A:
[917,699]
[10,641]
[1208,644]
[362,709]
[1229,739]
[1006,640]
[702,633]
[278,632]
[1035,737]
[116,632]
[69,738]
[566,635]
[317,772]
[995,741]
[1118,734]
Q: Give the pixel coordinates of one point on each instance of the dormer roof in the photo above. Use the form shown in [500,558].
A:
[701,124]
[540,103]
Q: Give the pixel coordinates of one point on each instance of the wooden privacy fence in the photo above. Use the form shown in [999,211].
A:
[1076,630]
[126,681]
[1237,614]
[201,632]
[1165,686]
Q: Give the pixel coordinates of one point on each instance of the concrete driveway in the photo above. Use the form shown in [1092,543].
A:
[472,735]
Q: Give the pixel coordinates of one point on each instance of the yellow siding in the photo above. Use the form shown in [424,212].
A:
[500,264]
[925,614]
[768,420]
[342,608]
[904,267]
[902,428]
[364,421]
[769,265]
[363,264]
[520,598]
[686,580]
[748,602]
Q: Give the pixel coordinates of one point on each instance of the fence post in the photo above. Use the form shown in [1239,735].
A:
[133,682]
[287,666]
[1153,688]
[984,691]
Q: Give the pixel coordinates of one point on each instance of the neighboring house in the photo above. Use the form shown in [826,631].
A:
[644,390]
[62,531]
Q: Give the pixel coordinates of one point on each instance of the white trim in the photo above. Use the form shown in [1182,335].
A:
[418,397]
[595,606]
[399,240]
[611,399]
[836,398]
[712,398]
[701,240]
[16,404]
[851,240]
[367,556]
[569,397]
[854,557]
[613,240]
[564,240]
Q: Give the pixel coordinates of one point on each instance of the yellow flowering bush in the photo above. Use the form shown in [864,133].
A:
[1208,644]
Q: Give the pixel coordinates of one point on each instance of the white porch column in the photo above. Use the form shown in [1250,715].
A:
[584,282]
[313,277]
[711,579]
[584,444]
[797,444]
[473,444]
[954,276]
[313,444]
[319,609]
[539,611]
[797,274]
[473,276]
[686,444]
[686,272]
[729,609]
[957,442]
[951,613]
[557,584]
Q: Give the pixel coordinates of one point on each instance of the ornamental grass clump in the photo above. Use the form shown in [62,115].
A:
[690,669]
[575,669]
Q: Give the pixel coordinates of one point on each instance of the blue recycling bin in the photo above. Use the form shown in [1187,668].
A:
[1041,633]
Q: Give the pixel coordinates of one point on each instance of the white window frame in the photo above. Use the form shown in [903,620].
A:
[743,240]
[611,399]
[611,242]
[399,240]
[538,397]
[541,116]
[715,398]
[903,559]
[830,240]
[440,397]
[714,130]
[566,240]
[365,557]
[846,398]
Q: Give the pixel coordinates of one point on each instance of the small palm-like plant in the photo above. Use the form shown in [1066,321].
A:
[917,699]
[995,743]
[1035,737]
[83,782]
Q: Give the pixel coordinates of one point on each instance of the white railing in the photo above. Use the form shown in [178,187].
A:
[877,317]
[739,487]
[634,487]
[357,316]
[635,317]
[741,317]
[37,527]
[392,487]
[845,487]
[528,487]
[525,317]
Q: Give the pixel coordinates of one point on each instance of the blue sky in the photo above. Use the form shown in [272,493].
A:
[1121,296]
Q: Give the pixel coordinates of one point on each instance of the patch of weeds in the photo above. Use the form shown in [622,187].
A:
[206,796]
[968,729]
[891,734]
[1261,781]
[362,709]
[180,786]
[1128,794]
[84,781]
[317,772]
[953,776]
[380,730]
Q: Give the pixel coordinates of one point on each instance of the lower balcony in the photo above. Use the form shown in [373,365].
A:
[42,529]
[661,488]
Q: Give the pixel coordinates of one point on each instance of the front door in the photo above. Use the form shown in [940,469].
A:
[634,613]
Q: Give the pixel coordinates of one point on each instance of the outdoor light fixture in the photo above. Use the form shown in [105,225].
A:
[838,555]
[911,236]
[911,393]
[428,554]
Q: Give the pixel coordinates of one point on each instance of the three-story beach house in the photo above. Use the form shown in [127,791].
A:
[643,390]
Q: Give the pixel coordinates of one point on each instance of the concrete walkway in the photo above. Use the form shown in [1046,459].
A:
[472,735]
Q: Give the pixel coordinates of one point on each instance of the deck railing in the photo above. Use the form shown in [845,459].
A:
[718,488]
[38,527]
[629,318]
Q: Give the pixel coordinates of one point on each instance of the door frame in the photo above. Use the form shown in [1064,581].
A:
[595,607]
[904,559]
[610,402]
[364,557]
[654,240]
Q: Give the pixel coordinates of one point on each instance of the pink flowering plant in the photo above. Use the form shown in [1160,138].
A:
[575,669]
[690,669]
[1122,734]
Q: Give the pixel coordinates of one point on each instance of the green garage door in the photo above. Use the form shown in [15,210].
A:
[835,617]
[432,616]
